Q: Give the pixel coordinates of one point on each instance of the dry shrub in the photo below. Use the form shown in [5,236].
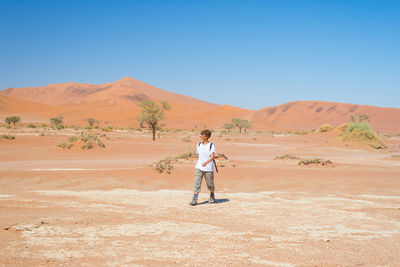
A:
[65,145]
[186,155]
[286,156]
[163,165]
[325,128]
[8,137]
[317,161]
[343,127]
[186,139]
[87,140]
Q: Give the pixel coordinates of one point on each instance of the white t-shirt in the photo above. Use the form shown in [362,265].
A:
[204,153]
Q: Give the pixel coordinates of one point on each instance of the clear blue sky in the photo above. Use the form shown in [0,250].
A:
[249,54]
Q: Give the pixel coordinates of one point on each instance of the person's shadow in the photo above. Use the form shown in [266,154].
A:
[217,201]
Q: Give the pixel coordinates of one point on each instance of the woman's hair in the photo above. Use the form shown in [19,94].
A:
[206,133]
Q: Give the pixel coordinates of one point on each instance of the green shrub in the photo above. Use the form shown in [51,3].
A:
[359,126]
[31,126]
[362,133]
[57,120]
[13,120]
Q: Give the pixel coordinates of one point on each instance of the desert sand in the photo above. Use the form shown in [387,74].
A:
[107,206]
[116,104]
[110,207]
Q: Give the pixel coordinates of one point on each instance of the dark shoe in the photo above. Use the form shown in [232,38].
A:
[193,202]
[212,199]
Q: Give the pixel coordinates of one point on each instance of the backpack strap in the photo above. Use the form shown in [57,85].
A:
[215,164]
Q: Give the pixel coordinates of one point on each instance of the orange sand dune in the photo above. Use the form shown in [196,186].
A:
[127,90]
[116,104]
[311,114]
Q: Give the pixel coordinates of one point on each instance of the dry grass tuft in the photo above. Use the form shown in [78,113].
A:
[316,161]
[343,127]
[325,128]
[286,156]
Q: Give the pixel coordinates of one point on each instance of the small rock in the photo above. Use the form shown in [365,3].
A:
[6,228]
[327,240]
[43,222]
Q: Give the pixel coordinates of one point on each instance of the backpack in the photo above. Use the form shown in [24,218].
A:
[215,164]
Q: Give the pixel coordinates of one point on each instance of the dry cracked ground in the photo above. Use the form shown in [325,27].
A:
[125,227]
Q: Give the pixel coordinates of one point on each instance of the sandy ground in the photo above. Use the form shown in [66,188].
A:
[107,207]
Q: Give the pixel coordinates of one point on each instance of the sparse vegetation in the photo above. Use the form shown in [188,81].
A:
[187,155]
[7,136]
[362,133]
[88,141]
[241,124]
[73,139]
[314,161]
[286,156]
[343,127]
[395,156]
[186,139]
[31,125]
[361,118]
[13,120]
[229,127]
[152,114]
[57,122]
[325,128]
[362,127]
[65,145]
[163,165]
[92,121]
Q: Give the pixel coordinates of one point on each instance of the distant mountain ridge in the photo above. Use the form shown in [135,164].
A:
[116,103]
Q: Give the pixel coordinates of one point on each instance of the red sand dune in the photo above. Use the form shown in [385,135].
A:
[116,104]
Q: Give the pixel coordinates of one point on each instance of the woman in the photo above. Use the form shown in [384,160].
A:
[204,167]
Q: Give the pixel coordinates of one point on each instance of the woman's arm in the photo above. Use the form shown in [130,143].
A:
[209,160]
